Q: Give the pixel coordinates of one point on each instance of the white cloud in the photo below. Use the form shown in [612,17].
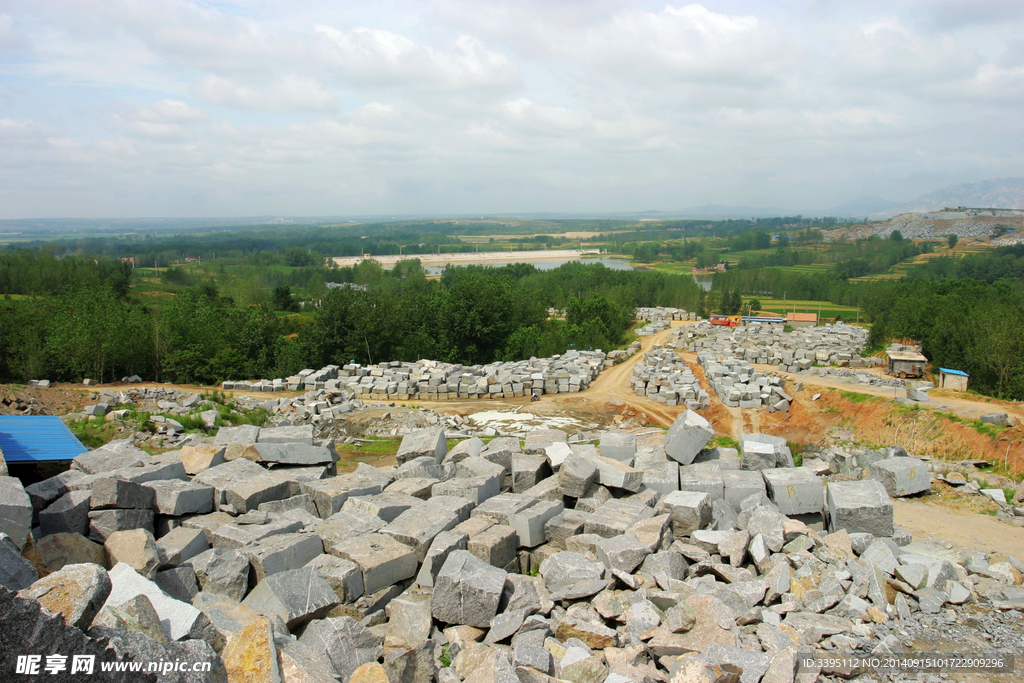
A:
[380,57]
[289,92]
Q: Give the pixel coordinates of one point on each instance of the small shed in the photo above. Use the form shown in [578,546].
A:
[905,364]
[37,438]
[954,380]
[801,319]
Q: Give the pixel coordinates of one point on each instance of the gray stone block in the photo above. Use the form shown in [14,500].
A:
[222,572]
[576,476]
[69,514]
[901,476]
[15,511]
[247,494]
[497,545]
[688,511]
[179,619]
[442,546]
[467,448]
[16,572]
[619,446]
[530,523]
[113,456]
[702,477]
[330,494]
[418,526]
[687,436]
[565,524]
[467,591]
[222,476]
[77,592]
[344,576]
[110,493]
[383,560]
[616,474]
[283,552]
[795,491]
[614,516]
[538,440]
[859,506]
[423,442]
[346,642]
[291,434]
[175,497]
[178,582]
[662,477]
[624,553]
[387,506]
[567,568]
[741,484]
[295,596]
[102,523]
[295,453]
[528,471]
[181,544]
[239,533]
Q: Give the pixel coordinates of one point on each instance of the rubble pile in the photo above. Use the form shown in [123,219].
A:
[648,557]
[662,375]
[659,319]
[739,385]
[436,381]
[768,344]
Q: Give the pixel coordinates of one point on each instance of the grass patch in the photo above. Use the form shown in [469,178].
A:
[726,442]
[379,446]
[797,449]
[93,432]
[859,398]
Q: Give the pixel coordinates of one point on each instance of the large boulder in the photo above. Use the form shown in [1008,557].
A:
[687,436]
[467,591]
[76,592]
[15,511]
[429,441]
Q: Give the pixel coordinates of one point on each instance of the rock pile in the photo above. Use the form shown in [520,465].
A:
[662,375]
[660,319]
[649,557]
[739,385]
[769,344]
[435,381]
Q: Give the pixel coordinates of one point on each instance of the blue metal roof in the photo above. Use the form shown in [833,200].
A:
[954,372]
[37,438]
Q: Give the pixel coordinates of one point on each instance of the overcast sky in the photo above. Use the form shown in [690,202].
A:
[161,108]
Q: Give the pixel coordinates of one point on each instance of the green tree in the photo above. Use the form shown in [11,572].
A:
[755,305]
[952,240]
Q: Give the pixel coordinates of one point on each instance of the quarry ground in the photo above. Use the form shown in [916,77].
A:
[944,428]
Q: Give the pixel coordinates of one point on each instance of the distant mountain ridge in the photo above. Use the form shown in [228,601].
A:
[997,193]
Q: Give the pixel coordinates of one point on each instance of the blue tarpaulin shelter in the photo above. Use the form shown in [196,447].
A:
[37,438]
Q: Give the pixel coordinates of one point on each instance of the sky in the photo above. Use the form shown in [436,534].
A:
[117,108]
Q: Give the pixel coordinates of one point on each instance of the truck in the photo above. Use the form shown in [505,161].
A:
[725,320]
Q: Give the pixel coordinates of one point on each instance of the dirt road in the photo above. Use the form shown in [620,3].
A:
[972,530]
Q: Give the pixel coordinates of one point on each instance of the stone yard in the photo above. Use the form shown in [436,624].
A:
[627,557]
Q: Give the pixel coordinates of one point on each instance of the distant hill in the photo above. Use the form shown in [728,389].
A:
[998,193]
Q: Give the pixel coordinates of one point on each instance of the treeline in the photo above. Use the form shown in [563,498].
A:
[1002,263]
[93,328]
[967,325]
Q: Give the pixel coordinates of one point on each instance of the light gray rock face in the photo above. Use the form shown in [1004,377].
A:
[222,476]
[178,582]
[662,477]
[247,494]
[292,434]
[770,524]
[901,476]
[115,455]
[330,495]
[409,621]
[222,572]
[687,436]
[118,493]
[15,511]
[181,544]
[295,453]
[387,506]
[443,545]
[688,511]
[175,497]
[239,434]
[248,531]
[576,476]
[752,664]
[795,491]
[417,526]
[69,514]
[295,596]
[624,553]
[538,440]
[282,553]
[467,591]
[383,560]
[344,576]
[567,568]
[103,523]
[616,474]
[180,619]
[703,477]
[618,446]
[429,441]
[15,571]
[859,507]
[347,643]
[530,523]
[741,484]
[467,448]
